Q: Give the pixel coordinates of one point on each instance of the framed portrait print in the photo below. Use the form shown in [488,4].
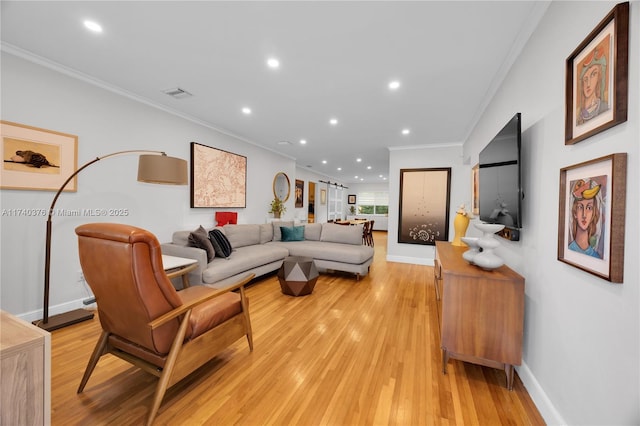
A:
[323,196]
[597,78]
[592,216]
[218,178]
[299,192]
[424,205]
[351,199]
[37,159]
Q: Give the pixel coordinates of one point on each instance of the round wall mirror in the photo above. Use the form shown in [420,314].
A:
[281,186]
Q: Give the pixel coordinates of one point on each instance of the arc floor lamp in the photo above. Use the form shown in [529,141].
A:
[153,167]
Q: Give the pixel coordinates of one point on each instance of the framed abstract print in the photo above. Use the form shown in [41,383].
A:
[218,178]
[424,205]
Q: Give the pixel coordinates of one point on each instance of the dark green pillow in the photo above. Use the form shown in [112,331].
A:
[292,233]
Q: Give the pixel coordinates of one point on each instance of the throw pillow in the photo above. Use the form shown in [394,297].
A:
[220,243]
[292,233]
[200,239]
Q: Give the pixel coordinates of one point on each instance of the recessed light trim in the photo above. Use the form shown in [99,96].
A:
[92,26]
[273,63]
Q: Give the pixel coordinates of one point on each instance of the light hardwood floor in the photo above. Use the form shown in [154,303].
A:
[352,353]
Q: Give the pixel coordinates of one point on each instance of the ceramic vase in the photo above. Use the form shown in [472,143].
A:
[487,259]
[474,249]
[460,225]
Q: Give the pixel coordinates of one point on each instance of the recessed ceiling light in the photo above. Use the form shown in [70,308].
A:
[394,85]
[333,121]
[361,179]
[273,63]
[355,177]
[93,26]
[379,175]
[358,160]
[324,161]
[368,167]
[284,143]
[406,131]
[303,141]
[339,169]
[246,110]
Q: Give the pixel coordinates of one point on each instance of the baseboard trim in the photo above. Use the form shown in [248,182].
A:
[540,398]
[56,310]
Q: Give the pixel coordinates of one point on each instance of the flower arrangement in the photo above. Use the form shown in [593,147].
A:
[277,207]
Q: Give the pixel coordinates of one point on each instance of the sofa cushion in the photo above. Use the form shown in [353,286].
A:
[242,235]
[266,233]
[220,243]
[312,231]
[333,233]
[244,259]
[293,233]
[335,252]
[277,235]
[200,239]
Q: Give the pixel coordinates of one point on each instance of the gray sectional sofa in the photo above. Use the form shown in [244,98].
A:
[259,249]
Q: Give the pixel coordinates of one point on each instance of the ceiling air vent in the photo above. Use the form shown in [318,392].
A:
[177,93]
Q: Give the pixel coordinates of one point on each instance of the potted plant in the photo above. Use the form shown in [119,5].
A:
[277,207]
[352,209]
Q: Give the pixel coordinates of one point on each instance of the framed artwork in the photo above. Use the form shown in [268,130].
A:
[597,78]
[424,205]
[592,216]
[299,192]
[351,199]
[475,190]
[218,178]
[323,196]
[37,159]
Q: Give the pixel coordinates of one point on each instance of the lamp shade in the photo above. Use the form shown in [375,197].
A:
[162,169]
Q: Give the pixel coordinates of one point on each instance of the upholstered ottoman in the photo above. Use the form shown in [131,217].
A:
[297,275]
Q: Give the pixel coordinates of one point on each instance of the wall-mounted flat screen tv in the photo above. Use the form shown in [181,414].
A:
[500,183]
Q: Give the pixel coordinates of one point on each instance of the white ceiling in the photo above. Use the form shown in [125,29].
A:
[336,58]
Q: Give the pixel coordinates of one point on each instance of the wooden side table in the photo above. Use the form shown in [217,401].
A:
[179,267]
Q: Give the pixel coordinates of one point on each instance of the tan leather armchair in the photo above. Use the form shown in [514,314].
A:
[144,320]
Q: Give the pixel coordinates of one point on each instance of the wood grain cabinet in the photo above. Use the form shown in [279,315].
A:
[482,312]
[25,371]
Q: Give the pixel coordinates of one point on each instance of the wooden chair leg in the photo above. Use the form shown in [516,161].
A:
[247,320]
[98,351]
[167,371]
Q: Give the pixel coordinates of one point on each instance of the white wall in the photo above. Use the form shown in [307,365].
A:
[434,157]
[581,346]
[104,122]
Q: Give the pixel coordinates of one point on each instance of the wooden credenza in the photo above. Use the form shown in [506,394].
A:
[25,369]
[482,312]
